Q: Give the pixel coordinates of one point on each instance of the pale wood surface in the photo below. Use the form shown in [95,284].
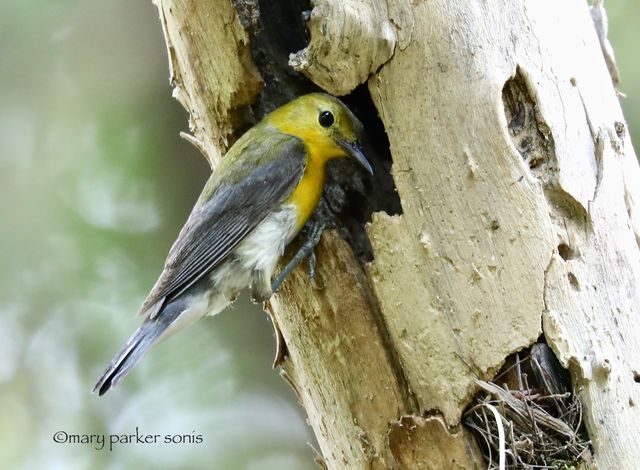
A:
[509,229]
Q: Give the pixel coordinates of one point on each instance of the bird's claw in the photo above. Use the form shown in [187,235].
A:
[311,265]
[314,233]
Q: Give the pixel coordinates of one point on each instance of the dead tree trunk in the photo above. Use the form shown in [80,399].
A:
[517,181]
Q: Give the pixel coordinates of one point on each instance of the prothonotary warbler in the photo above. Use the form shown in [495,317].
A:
[255,202]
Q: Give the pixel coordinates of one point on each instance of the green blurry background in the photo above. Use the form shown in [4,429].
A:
[95,186]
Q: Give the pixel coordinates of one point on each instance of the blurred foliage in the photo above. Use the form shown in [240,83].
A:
[623,34]
[96,184]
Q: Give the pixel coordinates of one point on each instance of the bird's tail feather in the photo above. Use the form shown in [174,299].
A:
[140,342]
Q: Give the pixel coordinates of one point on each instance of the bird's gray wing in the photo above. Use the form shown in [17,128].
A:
[243,192]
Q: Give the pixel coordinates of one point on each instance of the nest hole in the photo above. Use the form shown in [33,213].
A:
[276,30]
[353,196]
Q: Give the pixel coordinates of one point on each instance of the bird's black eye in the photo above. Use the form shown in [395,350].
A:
[325,119]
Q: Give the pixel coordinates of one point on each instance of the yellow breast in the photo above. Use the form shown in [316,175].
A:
[308,192]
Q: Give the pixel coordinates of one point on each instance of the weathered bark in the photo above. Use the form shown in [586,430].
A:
[515,172]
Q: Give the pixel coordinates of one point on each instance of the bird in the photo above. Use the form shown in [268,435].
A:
[260,196]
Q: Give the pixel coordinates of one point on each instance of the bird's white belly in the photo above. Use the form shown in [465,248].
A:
[259,251]
[264,246]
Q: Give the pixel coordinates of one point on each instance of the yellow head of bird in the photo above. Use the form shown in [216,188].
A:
[326,126]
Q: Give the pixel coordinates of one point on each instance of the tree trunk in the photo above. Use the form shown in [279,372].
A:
[516,179]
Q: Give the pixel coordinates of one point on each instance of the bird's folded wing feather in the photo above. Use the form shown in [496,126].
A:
[255,180]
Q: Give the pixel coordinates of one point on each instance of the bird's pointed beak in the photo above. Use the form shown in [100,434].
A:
[354,150]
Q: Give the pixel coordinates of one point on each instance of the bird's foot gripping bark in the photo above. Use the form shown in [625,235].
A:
[314,232]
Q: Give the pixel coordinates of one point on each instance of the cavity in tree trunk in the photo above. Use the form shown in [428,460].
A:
[513,217]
